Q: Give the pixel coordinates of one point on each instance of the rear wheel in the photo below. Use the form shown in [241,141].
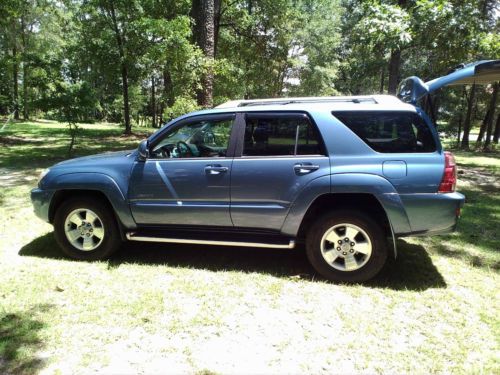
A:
[86,229]
[346,246]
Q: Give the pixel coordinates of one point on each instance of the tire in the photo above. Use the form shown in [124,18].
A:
[333,259]
[101,236]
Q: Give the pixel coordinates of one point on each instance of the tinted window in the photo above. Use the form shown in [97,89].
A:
[280,135]
[390,132]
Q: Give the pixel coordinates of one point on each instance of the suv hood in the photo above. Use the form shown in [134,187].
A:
[413,88]
[107,158]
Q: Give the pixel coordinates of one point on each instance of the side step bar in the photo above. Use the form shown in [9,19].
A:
[132,237]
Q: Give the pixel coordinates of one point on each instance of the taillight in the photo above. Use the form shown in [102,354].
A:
[449,180]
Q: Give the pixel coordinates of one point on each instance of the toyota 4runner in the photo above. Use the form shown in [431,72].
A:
[346,175]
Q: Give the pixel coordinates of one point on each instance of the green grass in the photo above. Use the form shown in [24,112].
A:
[39,144]
[208,310]
[483,161]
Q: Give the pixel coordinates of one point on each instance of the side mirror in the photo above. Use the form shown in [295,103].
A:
[143,150]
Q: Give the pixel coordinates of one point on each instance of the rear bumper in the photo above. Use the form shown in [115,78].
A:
[41,202]
[431,214]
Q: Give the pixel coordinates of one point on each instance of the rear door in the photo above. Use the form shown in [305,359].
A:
[277,156]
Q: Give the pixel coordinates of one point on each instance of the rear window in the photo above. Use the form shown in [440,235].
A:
[390,132]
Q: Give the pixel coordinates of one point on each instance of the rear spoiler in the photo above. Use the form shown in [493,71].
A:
[412,89]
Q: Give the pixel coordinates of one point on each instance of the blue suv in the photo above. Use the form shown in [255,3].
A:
[344,175]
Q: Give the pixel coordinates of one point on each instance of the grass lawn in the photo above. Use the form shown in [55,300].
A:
[201,309]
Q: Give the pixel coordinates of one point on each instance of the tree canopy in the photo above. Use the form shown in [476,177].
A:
[147,61]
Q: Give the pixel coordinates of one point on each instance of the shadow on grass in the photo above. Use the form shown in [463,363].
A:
[19,341]
[412,270]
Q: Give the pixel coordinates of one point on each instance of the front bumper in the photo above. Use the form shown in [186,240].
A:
[41,202]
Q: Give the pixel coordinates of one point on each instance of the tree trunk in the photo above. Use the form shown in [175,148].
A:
[126,105]
[168,88]
[489,124]
[124,68]
[460,119]
[15,79]
[25,72]
[459,129]
[203,11]
[395,64]
[73,128]
[482,129]
[217,18]
[496,135]
[435,102]
[394,67]
[488,118]
[382,78]
[467,122]
[26,112]
[153,101]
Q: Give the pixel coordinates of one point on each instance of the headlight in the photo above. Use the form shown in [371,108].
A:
[42,175]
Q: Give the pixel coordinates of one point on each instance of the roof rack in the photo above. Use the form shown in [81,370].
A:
[285,101]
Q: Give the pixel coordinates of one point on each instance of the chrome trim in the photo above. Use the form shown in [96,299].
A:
[131,237]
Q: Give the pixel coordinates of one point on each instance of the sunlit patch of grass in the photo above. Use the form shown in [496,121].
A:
[486,161]
[200,309]
[31,145]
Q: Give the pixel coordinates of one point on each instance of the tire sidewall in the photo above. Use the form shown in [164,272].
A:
[111,238]
[374,231]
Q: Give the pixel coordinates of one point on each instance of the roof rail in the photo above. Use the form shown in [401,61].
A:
[285,101]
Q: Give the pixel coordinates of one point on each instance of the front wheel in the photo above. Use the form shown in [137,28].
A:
[346,246]
[86,229]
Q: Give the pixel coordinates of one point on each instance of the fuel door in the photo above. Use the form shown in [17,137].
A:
[394,169]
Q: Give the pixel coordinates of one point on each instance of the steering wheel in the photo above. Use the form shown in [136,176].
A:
[187,150]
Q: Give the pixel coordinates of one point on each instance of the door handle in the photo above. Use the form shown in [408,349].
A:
[303,168]
[215,169]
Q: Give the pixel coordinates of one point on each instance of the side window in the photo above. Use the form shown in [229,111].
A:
[204,138]
[280,135]
[390,132]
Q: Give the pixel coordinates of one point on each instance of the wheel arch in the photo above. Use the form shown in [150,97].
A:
[363,191]
[362,202]
[61,196]
[96,185]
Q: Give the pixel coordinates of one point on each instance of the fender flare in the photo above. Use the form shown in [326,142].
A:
[304,200]
[381,189]
[93,181]
[340,183]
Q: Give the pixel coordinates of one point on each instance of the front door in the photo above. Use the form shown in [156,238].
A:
[186,179]
[281,153]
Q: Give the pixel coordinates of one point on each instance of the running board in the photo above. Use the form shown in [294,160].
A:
[132,237]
